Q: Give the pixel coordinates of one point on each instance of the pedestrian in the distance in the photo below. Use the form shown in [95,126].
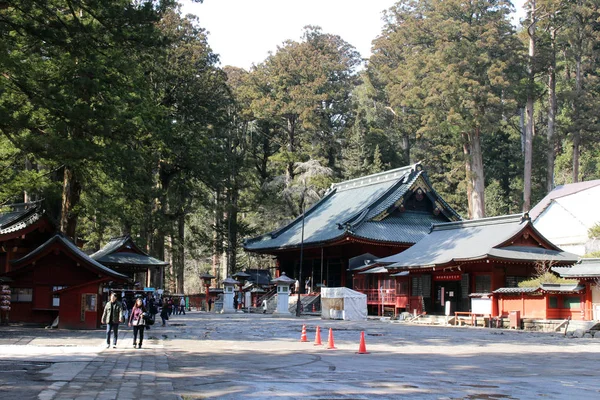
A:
[112,317]
[137,321]
[170,306]
[182,306]
[264,306]
[164,312]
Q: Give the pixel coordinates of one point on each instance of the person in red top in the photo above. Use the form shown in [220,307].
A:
[136,319]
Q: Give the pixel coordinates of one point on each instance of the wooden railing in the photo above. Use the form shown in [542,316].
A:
[375,295]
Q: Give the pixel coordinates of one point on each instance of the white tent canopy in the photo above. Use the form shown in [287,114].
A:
[343,303]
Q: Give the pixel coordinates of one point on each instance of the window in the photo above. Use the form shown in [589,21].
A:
[513,281]
[402,288]
[483,284]
[55,297]
[553,302]
[572,302]
[21,295]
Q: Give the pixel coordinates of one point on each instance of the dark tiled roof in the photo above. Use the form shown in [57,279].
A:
[586,268]
[359,208]
[111,254]
[400,227]
[19,216]
[560,191]
[73,249]
[516,290]
[376,270]
[546,287]
[259,276]
[532,254]
[472,240]
[361,262]
[126,258]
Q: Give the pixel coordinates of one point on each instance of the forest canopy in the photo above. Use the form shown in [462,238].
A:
[118,116]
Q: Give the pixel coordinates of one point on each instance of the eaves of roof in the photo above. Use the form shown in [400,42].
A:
[67,245]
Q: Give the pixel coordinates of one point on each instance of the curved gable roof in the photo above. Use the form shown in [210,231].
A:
[69,247]
[475,240]
[122,250]
[362,208]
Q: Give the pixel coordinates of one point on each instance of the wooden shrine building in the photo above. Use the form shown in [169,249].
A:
[380,214]
[57,279]
[459,259]
[123,255]
[46,274]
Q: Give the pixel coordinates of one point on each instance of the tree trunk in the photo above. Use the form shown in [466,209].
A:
[576,131]
[467,154]
[291,147]
[529,113]
[477,176]
[71,195]
[170,258]
[550,155]
[179,254]
[232,230]
[217,240]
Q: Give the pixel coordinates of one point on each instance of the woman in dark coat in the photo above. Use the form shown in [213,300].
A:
[137,320]
[164,312]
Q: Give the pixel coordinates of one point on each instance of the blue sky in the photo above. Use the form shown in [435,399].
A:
[243,32]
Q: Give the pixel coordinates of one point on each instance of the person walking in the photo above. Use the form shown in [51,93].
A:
[112,317]
[170,306]
[182,306]
[264,306]
[136,319]
[164,312]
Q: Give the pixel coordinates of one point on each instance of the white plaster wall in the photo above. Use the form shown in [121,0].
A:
[566,221]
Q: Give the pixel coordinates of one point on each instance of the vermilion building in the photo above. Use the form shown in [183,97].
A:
[380,214]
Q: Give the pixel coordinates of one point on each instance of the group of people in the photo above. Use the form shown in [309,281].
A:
[140,316]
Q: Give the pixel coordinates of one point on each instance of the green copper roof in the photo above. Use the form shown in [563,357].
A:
[366,208]
[123,251]
[474,240]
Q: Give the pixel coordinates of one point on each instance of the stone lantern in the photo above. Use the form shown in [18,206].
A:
[206,278]
[283,294]
[228,293]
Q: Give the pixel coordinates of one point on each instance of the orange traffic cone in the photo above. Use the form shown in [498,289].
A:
[318,337]
[362,348]
[303,336]
[330,343]
[314,309]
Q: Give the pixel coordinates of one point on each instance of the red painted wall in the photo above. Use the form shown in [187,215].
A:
[54,269]
[72,316]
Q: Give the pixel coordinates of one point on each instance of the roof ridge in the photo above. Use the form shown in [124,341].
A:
[502,219]
[372,179]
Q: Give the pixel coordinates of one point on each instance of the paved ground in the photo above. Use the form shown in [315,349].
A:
[256,356]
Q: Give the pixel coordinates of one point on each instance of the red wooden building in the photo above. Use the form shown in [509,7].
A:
[123,255]
[58,279]
[457,259]
[48,275]
[380,214]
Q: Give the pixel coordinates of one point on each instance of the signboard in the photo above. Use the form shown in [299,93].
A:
[149,289]
[447,277]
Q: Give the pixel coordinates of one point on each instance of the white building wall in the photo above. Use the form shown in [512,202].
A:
[566,221]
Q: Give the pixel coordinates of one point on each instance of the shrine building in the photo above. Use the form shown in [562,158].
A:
[380,214]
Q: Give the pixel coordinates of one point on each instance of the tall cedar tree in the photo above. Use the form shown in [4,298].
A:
[72,83]
[455,63]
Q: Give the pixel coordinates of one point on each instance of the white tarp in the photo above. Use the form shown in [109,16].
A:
[343,303]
